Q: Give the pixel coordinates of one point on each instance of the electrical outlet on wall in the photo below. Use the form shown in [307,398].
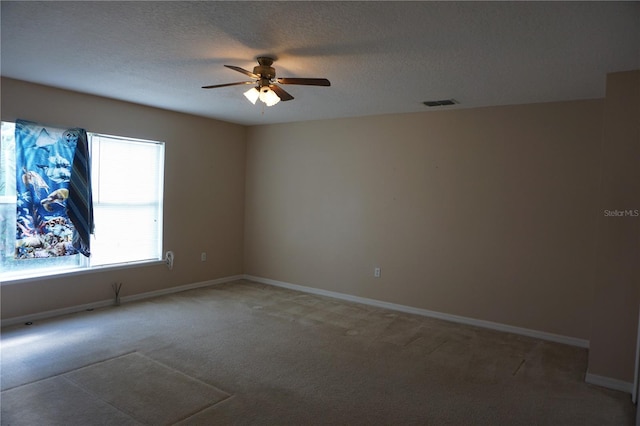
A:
[376,272]
[203,256]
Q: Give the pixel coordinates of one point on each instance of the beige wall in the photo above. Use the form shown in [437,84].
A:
[485,213]
[617,270]
[203,200]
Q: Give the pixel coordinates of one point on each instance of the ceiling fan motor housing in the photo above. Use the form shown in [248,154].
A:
[265,70]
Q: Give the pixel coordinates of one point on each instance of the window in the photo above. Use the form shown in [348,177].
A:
[127,179]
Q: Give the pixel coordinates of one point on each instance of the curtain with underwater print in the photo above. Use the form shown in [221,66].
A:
[54,206]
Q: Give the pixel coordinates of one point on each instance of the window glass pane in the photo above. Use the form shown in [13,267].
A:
[127,184]
[124,234]
[127,172]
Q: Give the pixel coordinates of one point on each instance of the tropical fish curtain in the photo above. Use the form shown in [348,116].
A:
[53,185]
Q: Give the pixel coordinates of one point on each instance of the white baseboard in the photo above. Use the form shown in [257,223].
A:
[109,302]
[594,379]
[573,341]
[608,382]
[55,313]
[177,289]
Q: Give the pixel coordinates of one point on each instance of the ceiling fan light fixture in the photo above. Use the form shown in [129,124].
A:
[252,94]
[268,96]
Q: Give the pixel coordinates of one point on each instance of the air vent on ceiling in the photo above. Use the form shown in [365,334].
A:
[443,102]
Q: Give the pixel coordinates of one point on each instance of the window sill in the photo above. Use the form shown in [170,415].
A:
[61,273]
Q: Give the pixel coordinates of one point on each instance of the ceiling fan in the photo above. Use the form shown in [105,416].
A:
[264,79]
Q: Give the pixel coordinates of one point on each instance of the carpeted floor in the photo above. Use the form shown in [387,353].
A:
[251,354]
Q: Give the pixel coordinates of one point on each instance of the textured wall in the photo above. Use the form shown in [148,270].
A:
[486,213]
[617,269]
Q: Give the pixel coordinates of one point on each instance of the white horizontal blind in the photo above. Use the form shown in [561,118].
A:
[127,180]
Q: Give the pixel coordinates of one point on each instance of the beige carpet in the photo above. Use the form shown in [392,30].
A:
[247,353]
[117,391]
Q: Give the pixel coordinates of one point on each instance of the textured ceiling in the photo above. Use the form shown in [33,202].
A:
[381,57]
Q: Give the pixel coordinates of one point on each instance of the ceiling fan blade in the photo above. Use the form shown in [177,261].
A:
[305,81]
[243,71]
[215,86]
[282,94]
